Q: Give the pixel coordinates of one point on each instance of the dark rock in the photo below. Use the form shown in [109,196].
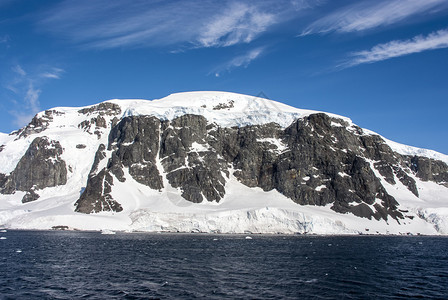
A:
[317,160]
[96,197]
[38,124]
[60,227]
[3,180]
[135,145]
[100,122]
[227,105]
[189,161]
[406,180]
[97,122]
[362,210]
[39,168]
[30,196]
[94,124]
[81,146]
[105,108]
[99,156]
[381,212]
[386,171]
[429,169]
[332,159]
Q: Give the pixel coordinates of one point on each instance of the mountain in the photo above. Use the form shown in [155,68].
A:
[216,162]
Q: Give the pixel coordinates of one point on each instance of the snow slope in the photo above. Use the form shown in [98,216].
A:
[242,209]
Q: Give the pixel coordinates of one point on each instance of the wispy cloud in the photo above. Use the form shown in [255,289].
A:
[26,90]
[32,97]
[238,23]
[366,15]
[54,73]
[29,106]
[434,40]
[18,70]
[190,23]
[4,39]
[239,61]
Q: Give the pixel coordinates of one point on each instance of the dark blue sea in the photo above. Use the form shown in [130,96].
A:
[89,265]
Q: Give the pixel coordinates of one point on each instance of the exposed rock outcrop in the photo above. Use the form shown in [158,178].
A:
[98,114]
[38,124]
[102,109]
[317,160]
[96,196]
[189,161]
[429,169]
[39,168]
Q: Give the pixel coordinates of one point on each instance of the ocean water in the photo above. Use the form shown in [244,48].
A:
[89,265]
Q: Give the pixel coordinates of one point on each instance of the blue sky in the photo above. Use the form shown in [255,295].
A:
[384,64]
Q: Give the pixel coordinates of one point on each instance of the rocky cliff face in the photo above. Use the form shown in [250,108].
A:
[317,160]
[40,167]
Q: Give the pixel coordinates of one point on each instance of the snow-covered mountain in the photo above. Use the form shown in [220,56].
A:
[216,162]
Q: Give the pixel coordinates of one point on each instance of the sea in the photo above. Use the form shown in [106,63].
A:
[91,265]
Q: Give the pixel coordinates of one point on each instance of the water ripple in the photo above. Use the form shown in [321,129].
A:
[82,265]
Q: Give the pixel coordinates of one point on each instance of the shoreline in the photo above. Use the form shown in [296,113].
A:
[124,232]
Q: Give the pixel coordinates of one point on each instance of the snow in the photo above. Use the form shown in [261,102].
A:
[410,150]
[320,188]
[279,145]
[342,174]
[11,155]
[196,147]
[4,138]
[242,210]
[334,124]
[245,110]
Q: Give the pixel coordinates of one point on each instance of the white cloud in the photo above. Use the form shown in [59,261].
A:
[239,61]
[18,69]
[32,98]
[366,15]
[26,88]
[435,40]
[55,73]
[29,107]
[239,23]
[107,24]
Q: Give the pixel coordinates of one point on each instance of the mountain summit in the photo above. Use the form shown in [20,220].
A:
[216,162]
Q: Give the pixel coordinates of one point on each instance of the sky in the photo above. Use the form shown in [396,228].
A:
[382,63]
